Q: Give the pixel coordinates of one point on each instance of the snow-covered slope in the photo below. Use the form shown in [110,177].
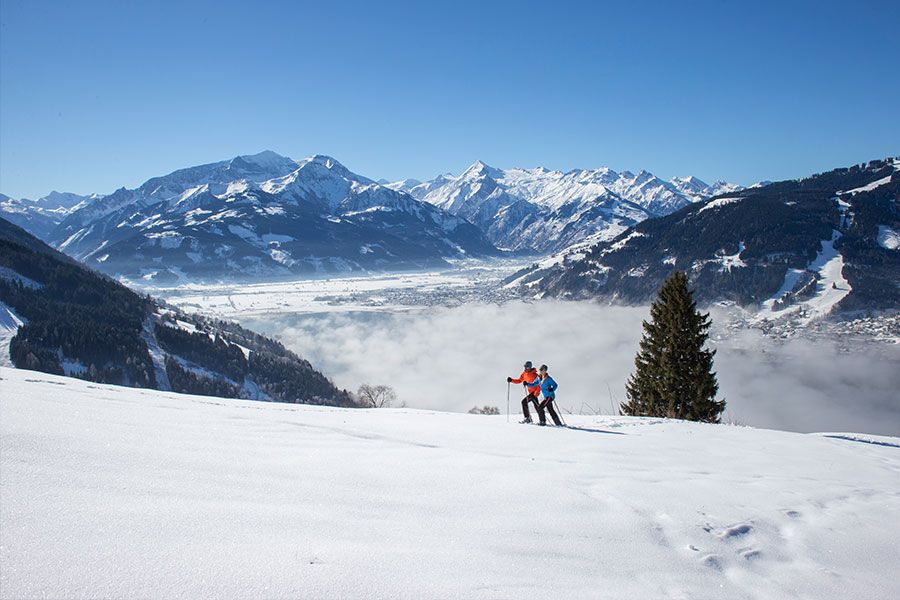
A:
[546,210]
[262,215]
[114,492]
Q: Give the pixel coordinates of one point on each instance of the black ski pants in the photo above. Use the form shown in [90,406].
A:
[547,404]
[531,398]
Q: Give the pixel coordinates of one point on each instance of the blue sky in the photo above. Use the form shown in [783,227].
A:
[97,95]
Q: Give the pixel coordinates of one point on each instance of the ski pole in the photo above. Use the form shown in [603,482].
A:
[507,402]
[559,412]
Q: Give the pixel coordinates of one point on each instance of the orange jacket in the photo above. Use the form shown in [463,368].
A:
[530,378]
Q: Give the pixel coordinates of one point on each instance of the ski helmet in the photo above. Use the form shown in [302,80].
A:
[528,364]
[543,368]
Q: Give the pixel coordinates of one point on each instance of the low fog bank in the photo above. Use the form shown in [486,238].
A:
[453,359]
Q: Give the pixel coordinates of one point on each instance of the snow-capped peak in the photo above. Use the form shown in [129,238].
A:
[58,201]
[404,185]
[263,165]
[690,180]
[481,169]
[266,158]
[511,203]
[323,163]
[324,160]
[696,189]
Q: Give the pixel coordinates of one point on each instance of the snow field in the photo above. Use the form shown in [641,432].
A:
[116,492]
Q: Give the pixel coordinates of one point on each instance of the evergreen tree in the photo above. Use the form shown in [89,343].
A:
[673,374]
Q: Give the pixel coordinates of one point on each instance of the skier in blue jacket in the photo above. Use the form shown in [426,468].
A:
[548,391]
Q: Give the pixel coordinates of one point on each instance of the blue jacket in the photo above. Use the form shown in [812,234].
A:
[548,386]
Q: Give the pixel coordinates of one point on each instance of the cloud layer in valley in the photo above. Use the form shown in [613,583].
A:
[455,358]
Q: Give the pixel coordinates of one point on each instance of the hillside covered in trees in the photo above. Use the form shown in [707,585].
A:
[79,323]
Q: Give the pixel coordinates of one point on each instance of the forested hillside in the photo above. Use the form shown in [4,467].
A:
[83,324]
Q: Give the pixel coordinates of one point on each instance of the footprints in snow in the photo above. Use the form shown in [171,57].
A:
[754,545]
[735,531]
[712,561]
[745,541]
[728,535]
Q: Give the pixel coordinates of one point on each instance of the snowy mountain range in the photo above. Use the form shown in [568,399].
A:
[41,216]
[266,215]
[543,210]
[251,216]
[804,247]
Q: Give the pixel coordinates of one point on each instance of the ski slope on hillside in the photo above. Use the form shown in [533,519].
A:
[115,492]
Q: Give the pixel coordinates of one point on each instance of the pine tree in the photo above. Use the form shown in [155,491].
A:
[673,374]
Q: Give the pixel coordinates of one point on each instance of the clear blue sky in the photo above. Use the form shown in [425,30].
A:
[96,95]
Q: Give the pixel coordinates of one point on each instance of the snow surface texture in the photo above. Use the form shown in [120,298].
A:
[115,492]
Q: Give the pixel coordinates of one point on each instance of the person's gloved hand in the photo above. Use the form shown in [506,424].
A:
[509,380]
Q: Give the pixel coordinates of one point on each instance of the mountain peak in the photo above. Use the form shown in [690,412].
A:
[479,168]
[265,155]
[265,159]
[691,182]
[318,162]
[328,162]
[324,159]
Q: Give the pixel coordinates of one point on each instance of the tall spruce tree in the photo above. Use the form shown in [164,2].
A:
[673,374]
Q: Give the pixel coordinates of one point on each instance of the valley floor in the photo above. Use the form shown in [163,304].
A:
[467,281]
[114,492]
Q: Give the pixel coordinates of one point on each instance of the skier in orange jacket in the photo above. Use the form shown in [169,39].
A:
[529,378]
